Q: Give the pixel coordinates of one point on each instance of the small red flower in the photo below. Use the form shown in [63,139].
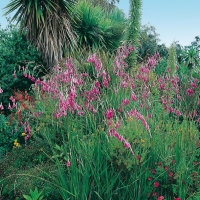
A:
[109,113]
[127,145]
[160,198]
[138,157]
[178,198]
[195,163]
[153,171]
[156,184]
[166,168]
[97,84]
[155,194]
[171,174]
[190,91]
[149,178]
[68,164]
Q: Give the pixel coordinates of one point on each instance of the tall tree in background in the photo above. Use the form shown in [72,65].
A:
[148,42]
[47,24]
[134,28]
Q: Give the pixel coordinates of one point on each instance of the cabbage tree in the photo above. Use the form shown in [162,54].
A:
[47,23]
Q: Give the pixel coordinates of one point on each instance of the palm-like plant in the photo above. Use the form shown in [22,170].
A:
[98,29]
[47,23]
[191,57]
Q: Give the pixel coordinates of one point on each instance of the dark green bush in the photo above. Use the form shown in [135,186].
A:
[15,51]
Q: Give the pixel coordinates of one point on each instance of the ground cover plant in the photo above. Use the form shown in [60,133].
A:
[105,132]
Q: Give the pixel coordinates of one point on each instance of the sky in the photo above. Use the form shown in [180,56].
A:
[174,20]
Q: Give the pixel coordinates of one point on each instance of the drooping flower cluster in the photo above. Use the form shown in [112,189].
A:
[135,113]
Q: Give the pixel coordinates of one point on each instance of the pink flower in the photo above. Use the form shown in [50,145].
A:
[155,194]
[149,116]
[1,107]
[9,106]
[29,76]
[1,91]
[138,157]
[124,84]
[14,74]
[156,184]
[162,86]
[109,113]
[166,168]
[125,102]
[117,125]
[195,113]
[178,198]
[127,145]
[153,171]
[190,91]
[118,136]
[171,174]
[160,198]
[149,178]
[178,113]
[97,84]
[133,97]
[68,164]
[12,99]
[193,85]
[32,79]
[174,161]
[97,62]
[105,82]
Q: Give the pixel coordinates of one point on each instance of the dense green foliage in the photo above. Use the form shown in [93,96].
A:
[149,43]
[15,51]
[96,28]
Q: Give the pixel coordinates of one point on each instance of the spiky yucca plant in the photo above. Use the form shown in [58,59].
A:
[47,23]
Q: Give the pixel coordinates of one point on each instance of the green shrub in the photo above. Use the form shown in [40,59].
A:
[16,51]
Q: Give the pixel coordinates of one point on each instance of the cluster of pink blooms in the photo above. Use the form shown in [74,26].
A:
[135,113]
[27,130]
[106,78]
[120,138]
[63,87]
[112,132]
[97,63]
[13,103]
[146,69]
[109,114]
[25,73]
[68,164]
[119,64]
[190,91]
